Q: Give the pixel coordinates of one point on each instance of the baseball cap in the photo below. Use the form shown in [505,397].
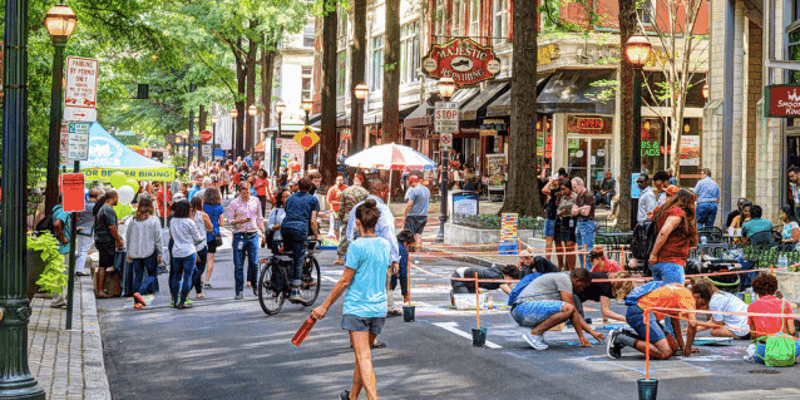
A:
[672,191]
[413,178]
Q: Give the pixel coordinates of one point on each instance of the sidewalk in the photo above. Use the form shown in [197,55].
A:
[68,364]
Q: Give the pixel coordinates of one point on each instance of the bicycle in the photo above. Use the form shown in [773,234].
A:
[274,283]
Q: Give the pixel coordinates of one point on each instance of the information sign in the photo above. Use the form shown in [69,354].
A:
[446,117]
[81,82]
[72,187]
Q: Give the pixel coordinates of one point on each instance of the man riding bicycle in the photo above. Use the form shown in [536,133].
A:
[301,208]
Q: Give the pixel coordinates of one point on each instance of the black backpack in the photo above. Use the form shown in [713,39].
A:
[45,225]
[644,236]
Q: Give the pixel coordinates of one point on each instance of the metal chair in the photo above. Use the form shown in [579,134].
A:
[761,239]
[712,235]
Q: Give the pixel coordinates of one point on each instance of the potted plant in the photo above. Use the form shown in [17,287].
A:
[45,265]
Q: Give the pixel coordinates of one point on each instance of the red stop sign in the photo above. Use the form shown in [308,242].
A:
[205,136]
[306,142]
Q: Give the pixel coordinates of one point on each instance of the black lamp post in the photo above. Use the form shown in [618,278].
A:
[186,144]
[60,22]
[446,88]
[361,93]
[234,115]
[637,50]
[279,109]
[214,120]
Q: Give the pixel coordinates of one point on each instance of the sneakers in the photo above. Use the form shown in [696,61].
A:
[239,296]
[295,296]
[137,306]
[137,299]
[255,291]
[184,306]
[344,395]
[59,301]
[394,313]
[613,349]
[535,341]
[628,331]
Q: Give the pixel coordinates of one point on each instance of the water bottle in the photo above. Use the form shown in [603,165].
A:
[704,239]
[490,301]
[748,295]
[783,261]
[304,330]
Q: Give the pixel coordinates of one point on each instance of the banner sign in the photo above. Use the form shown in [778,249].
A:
[81,82]
[690,151]
[783,101]
[463,60]
[72,186]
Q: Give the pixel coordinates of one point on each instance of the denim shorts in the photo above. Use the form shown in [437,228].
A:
[549,227]
[531,313]
[635,318]
[668,272]
[355,323]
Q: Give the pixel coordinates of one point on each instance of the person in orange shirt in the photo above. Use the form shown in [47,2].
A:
[334,199]
[663,343]
[295,167]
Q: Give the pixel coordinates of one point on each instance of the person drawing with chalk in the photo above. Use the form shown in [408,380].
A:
[364,309]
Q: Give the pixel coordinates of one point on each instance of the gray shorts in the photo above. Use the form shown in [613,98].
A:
[355,323]
[416,223]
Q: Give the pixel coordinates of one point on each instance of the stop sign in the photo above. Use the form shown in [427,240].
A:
[205,136]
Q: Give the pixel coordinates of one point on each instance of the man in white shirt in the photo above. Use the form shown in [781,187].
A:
[647,200]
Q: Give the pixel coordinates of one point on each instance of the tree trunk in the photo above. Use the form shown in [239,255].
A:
[329,139]
[202,116]
[627,27]
[357,67]
[241,81]
[522,194]
[391,84]
[190,144]
[267,61]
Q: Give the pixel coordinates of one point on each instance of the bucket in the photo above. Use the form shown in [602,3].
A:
[478,337]
[648,389]
[408,313]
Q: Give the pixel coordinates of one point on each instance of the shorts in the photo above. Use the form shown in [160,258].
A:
[416,223]
[106,251]
[549,227]
[567,232]
[212,246]
[635,318]
[354,323]
[531,313]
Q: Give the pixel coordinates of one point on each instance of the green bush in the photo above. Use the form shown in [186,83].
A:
[492,221]
[52,279]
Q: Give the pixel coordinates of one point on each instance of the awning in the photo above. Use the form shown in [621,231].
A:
[313,118]
[288,128]
[502,106]
[107,156]
[423,114]
[571,91]
[477,107]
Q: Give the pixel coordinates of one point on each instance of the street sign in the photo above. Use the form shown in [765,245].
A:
[78,141]
[205,136]
[446,142]
[72,186]
[63,144]
[80,114]
[81,82]
[446,117]
[206,151]
[306,138]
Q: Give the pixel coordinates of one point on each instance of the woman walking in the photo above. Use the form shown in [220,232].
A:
[203,225]
[143,237]
[212,206]
[225,179]
[364,310]
[677,233]
[567,222]
[262,189]
[184,253]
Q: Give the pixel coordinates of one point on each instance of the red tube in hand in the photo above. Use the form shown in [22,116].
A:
[303,331]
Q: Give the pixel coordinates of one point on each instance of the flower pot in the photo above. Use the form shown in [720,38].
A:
[408,313]
[33,269]
[478,337]
[648,389]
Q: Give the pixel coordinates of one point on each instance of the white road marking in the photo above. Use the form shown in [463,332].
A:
[451,327]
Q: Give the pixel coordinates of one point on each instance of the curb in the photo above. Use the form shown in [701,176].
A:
[94,367]
[461,257]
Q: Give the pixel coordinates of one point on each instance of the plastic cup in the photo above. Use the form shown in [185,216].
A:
[408,313]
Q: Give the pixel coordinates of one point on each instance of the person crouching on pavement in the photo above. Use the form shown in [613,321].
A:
[664,342]
[462,287]
[548,301]
[364,309]
[405,241]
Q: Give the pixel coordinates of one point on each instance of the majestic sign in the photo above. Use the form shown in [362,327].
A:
[463,60]
[783,101]
[446,117]
[81,82]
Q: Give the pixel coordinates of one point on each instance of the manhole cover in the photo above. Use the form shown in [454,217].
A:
[764,372]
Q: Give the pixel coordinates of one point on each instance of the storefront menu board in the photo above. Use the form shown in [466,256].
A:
[690,150]
[496,167]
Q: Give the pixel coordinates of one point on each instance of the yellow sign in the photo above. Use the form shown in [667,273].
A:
[306,138]
[140,174]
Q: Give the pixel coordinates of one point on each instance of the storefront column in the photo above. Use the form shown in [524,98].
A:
[559,142]
[616,141]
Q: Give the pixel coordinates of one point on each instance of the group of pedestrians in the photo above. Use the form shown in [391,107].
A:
[569,223]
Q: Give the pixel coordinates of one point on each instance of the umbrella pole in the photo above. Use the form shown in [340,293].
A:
[389,198]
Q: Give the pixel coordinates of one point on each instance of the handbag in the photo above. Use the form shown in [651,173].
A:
[780,350]
[218,240]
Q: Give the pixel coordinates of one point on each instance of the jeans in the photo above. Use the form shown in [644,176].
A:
[200,267]
[250,247]
[635,318]
[297,241]
[706,214]
[140,265]
[549,228]
[585,236]
[184,267]
[668,272]
[83,246]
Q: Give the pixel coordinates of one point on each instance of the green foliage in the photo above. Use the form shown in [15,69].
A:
[492,221]
[52,279]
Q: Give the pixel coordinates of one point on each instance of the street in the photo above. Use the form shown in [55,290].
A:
[229,349]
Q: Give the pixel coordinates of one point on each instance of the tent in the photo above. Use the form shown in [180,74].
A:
[107,156]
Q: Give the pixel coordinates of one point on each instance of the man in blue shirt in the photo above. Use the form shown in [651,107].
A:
[300,208]
[707,192]
[756,223]
[62,228]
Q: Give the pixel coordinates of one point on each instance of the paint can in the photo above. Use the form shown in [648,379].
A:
[408,313]
[478,337]
[648,389]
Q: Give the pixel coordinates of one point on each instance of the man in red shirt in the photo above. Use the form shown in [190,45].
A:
[160,199]
[334,199]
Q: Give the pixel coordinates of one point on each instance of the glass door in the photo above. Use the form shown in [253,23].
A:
[577,157]
[600,161]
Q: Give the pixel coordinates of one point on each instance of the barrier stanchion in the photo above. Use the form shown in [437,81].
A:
[648,388]
[478,334]
[409,311]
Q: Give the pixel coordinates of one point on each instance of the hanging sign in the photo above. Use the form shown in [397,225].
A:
[81,82]
[783,101]
[463,60]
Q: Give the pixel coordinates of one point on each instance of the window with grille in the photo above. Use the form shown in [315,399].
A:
[306,83]
[500,21]
[308,35]
[377,63]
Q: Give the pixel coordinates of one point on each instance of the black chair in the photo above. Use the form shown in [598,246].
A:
[761,239]
[712,235]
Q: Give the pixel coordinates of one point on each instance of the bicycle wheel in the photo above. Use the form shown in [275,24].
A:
[310,273]
[270,288]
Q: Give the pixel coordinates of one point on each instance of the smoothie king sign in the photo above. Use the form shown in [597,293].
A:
[783,101]
[463,60]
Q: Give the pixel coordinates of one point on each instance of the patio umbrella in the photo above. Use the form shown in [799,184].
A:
[390,156]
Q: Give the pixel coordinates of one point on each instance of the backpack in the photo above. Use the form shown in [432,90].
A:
[780,350]
[512,297]
[641,291]
[45,225]
[644,236]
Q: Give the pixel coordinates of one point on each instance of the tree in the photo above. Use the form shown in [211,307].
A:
[329,140]
[522,195]
[357,67]
[682,56]
[391,82]
[627,27]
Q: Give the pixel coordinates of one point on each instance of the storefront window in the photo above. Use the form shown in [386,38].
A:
[652,134]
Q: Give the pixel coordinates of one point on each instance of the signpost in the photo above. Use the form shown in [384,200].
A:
[446,123]
[81,82]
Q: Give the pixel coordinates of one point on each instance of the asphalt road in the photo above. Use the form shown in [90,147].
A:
[227,349]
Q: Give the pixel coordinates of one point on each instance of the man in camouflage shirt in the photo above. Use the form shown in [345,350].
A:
[350,197]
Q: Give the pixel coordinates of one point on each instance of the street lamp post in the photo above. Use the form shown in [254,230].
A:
[361,93]
[637,50]
[60,22]
[279,108]
[186,144]
[446,88]
[214,120]
[16,381]
[234,115]
[252,111]
[307,104]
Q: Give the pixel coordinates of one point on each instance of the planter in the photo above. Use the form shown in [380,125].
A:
[789,285]
[459,235]
[34,268]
